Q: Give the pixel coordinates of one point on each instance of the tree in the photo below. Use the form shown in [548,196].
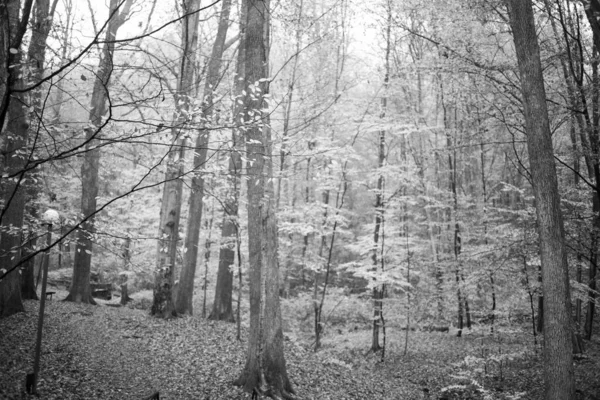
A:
[584,104]
[66,39]
[186,282]
[168,231]
[36,54]
[222,305]
[555,281]
[379,290]
[592,8]
[80,291]
[264,357]
[14,124]
[463,307]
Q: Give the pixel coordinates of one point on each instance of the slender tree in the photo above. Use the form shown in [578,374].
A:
[457,240]
[213,76]
[222,305]
[66,36]
[41,23]
[163,305]
[587,119]
[379,290]
[80,291]
[287,107]
[559,371]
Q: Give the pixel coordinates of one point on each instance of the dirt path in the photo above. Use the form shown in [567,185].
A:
[99,352]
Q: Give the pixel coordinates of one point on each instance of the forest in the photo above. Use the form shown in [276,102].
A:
[299,199]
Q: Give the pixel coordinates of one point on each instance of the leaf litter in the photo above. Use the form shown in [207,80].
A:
[99,352]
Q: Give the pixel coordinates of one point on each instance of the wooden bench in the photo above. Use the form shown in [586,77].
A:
[102,290]
[49,294]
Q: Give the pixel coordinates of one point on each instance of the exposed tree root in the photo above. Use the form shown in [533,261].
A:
[226,317]
[278,388]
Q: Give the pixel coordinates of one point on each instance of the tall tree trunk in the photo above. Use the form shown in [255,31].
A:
[229,243]
[590,125]
[124,277]
[265,356]
[595,147]
[163,305]
[36,55]
[318,326]
[222,305]
[12,30]
[438,273]
[485,229]
[456,244]
[379,215]
[274,364]
[379,289]
[558,365]
[41,23]
[80,291]
[453,214]
[319,303]
[306,236]
[67,34]
[13,143]
[592,10]
[208,224]
[283,152]
[185,293]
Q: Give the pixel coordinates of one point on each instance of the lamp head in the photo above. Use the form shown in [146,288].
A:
[50,217]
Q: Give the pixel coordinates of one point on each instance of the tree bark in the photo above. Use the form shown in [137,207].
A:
[265,356]
[41,24]
[188,271]
[222,304]
[80,291]
[379,289]
[163,305]
[13,144]
[66,42]
[284,152]
[12,31]
[558,365]
[540,301]
[588,127]
[36,54]
[306,236]
[592,10]
[485,230]
[379,215]
[208,224]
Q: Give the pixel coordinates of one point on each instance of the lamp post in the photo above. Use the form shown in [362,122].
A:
[49,217]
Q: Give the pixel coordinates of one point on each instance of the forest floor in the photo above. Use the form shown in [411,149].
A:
[100,352]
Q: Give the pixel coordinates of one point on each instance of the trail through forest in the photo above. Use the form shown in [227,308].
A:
[101,352]
[397,199]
